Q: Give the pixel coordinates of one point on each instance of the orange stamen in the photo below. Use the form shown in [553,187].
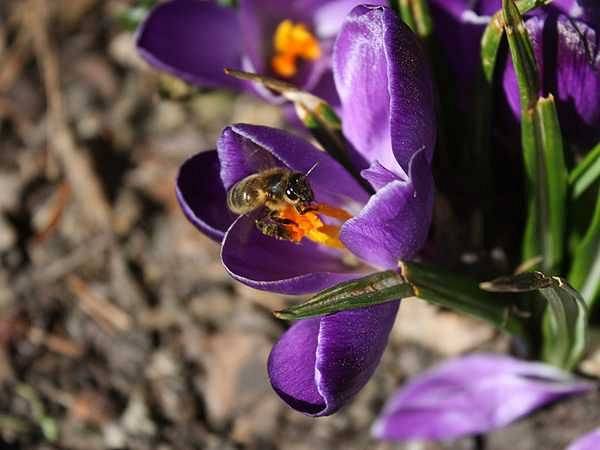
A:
[291,42]
[310,226]
[332,211]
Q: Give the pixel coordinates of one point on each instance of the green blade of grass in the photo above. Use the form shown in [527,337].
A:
[415,14]
[543,155]
[564,324]
[585,173]
[585,268]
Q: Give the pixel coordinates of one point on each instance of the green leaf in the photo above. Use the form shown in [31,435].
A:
[541,140]
[316,114]
[522,54]
[586,172]
[564,323]
[522,282]
[428,283]
[552,183]
[371,290]
[132,17]
[492,36]
[422,18]
[402,7]
[546,184]
[415,14]
[585,268]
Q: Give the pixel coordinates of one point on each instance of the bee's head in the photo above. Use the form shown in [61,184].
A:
[298,192]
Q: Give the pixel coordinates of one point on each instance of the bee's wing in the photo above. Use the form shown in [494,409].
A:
[260,159]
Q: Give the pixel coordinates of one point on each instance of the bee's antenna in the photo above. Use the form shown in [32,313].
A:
[314,166]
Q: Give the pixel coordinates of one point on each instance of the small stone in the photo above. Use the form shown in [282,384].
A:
[136,418]
[236,378]
[8,236]
[591,365]
[122,49]
[114,436]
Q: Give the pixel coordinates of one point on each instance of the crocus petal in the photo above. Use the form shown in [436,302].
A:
[272,265]
[320,363]
[193,40]
[330,15]
[590,441]
[202,196]
[385,87]
[470,395]
[247,149]
[395,222]
[568,58]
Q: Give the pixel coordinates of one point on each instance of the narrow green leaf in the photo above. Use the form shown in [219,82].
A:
[586,172]
[565,325]
[371,290]
[585,268]
[542,151]
[404,10]
[552,182]
[492,36]
[546,184]
[522,54]
[415,14]
[422,17]
[522,282]
[428,283]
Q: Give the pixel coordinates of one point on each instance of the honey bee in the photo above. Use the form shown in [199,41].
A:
[274,189]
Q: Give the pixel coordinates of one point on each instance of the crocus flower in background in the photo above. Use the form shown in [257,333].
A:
[472,395]
[291,40]
[565,41]
[590,441]
[387,107]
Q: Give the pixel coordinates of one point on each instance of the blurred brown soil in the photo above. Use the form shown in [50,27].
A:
[118,326]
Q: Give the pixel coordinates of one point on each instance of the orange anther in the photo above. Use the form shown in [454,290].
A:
[310,226]
[292,42]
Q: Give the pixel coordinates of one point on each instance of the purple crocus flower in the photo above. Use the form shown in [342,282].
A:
[472,395]
[387,106]
[590,441]
[292,40]
[565,41]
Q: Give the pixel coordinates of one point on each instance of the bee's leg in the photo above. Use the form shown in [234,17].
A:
[276,227]
[303,208]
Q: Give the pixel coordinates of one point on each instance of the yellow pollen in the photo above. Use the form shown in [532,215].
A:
[291,42]
[310,226]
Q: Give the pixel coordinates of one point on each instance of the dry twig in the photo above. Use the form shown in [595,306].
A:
[78,169]
[109,317]
[55,343]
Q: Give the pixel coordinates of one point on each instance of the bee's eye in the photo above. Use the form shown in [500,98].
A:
[291,195]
